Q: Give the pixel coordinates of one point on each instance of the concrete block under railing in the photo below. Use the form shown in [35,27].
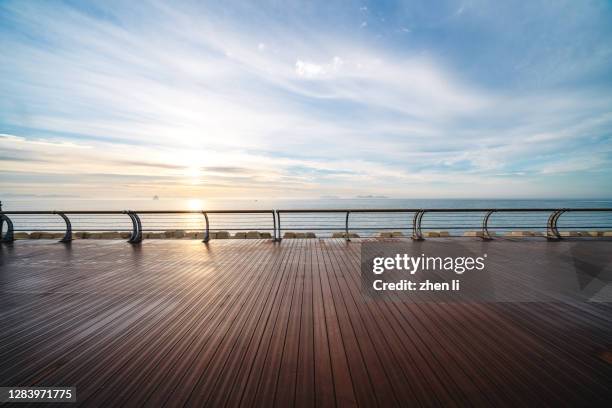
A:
[343,235]
[174,234]
[591,234]
[391,234]
[153,235]
[45,235]
[252,235]
[436,234]
[222,235]
[194,235]
[524,234]
[478,234]
[298,235]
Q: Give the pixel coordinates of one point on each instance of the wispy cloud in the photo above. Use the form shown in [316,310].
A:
[206,96]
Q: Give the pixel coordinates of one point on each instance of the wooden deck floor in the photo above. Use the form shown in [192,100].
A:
[250,322]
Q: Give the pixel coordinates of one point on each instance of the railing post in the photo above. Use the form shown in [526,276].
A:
[10,235]
[68,234]
[136,228]
[274,238]
[207,232]
[417,235]
[346,227]
[485,227]
[280,238]
[139,236]
[552,233]
[1,220]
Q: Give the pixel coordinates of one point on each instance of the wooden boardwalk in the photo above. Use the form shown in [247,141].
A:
[253,323]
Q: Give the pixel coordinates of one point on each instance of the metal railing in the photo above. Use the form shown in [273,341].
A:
[345,223]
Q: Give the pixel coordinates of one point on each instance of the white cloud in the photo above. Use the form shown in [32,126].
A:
[313,70]
[308,69]
[15,141]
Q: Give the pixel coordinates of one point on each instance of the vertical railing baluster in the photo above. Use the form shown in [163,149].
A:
[139,237]
[136,227]
[68,235]
[552,231]
[346,227]
[274,237]
[9,236]
[485,227]
[549,223]
[417,235]
[1,221]
[207,231]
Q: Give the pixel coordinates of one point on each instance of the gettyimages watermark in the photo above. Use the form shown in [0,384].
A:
[486,271]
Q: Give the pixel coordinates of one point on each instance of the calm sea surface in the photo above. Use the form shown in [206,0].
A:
[323,224]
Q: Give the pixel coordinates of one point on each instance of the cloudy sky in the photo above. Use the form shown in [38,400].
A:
[306,99]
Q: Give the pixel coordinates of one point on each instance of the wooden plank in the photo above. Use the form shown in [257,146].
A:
[305,373]
[344,392]
[269,374]
[366,370]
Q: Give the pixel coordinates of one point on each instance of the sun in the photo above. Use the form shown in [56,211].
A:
[193,171]
[195,204]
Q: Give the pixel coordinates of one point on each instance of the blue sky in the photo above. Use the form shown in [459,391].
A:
[306,99]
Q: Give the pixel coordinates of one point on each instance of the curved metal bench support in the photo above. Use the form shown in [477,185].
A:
[9,236]
[68,234]
[136,228]
[552,233]
[417,234]
[485,227]
[207,231]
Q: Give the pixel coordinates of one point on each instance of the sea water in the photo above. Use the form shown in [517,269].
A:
[322,224]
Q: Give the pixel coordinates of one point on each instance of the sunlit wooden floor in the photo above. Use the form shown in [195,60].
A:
[250,322]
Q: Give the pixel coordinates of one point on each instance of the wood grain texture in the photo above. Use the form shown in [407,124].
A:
[256,323]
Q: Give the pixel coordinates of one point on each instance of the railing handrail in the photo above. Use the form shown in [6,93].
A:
[304,210]
[104,212]
[362,210]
